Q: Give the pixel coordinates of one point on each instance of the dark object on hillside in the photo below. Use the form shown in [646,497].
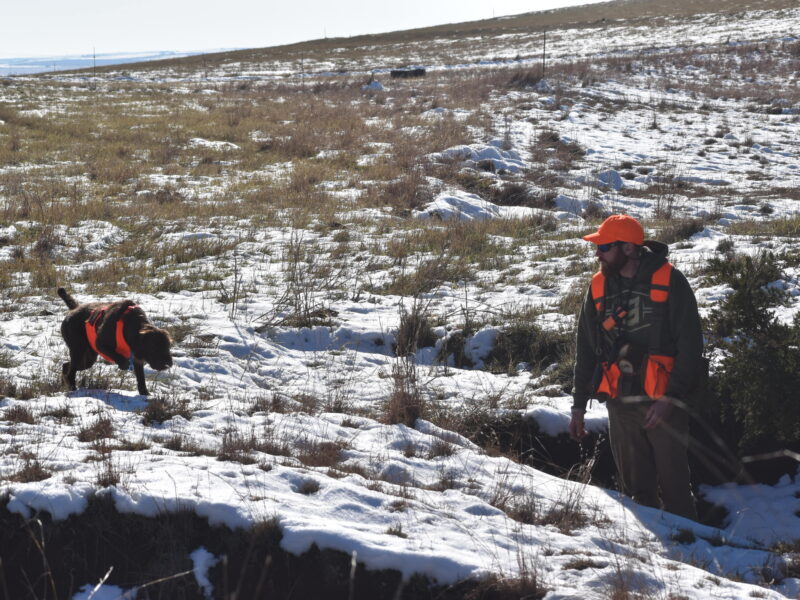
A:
[119,331]
[407,72]
[154,552]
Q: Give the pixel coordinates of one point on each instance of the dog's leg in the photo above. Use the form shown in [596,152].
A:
[138,369]
[68,375]
[77,362]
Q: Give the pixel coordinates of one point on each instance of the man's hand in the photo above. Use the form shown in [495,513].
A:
[658,412]
[577,431]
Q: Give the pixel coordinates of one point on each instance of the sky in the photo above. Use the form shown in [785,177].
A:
[37,28]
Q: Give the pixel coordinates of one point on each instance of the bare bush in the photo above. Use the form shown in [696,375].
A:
[405,404]
[102,428]
[414,331]
[320,453]
[237,446]
[31,470]
[19,413]
[159,410]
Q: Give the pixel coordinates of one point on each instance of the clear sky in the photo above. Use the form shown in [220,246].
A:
[32,28]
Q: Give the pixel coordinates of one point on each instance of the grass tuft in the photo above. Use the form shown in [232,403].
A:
[405,403]
[101,429]
[30,471]
[160,410]
[19,413]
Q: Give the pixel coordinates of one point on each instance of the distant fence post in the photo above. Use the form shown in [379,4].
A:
[544,50]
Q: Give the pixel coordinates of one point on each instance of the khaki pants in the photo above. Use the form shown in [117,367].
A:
[650,461]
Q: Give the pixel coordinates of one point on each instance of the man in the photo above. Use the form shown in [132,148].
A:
[639,349]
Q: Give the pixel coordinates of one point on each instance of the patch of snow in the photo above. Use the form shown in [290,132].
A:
[203,561]
[213,145]
[373,86]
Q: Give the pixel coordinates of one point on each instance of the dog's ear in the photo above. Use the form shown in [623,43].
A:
[151,331]
[154,347]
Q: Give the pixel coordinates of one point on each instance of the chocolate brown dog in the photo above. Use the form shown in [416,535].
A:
[118,331]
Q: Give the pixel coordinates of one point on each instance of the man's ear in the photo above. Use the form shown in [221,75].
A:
[630,250]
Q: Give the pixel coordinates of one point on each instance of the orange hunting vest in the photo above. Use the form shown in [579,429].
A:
[658,366]
[91,334]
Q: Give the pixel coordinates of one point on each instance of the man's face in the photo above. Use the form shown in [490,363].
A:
[611,261]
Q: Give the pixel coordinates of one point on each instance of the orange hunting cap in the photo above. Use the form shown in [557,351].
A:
[618,228]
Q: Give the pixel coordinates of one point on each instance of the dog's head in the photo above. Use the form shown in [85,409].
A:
[154,347]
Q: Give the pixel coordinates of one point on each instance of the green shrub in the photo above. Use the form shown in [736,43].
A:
[748,308]
[752,390]
[725,245]
[757,386]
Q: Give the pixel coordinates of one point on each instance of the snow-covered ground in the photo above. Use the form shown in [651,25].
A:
[290,395]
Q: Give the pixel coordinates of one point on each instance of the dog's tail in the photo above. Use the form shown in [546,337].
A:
[69,300]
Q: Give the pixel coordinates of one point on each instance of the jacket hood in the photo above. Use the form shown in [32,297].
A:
[654,254]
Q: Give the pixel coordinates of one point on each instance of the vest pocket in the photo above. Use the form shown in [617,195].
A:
[609,380]
[657,374]
[656,377]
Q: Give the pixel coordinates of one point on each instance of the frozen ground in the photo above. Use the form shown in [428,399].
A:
[303,394]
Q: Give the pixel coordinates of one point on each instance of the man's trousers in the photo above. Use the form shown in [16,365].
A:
[652,464]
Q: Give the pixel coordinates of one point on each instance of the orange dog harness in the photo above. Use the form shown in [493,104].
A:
[91,333]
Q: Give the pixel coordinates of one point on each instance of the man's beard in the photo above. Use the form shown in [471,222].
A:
[613,267]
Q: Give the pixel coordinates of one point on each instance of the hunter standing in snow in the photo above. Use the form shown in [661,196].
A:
[639,349]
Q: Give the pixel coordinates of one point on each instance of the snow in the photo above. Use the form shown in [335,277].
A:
[473,155]
[213,144]
[770,512]
[203,560]
[373,86]
[104,592]
[447,531]
[463,206]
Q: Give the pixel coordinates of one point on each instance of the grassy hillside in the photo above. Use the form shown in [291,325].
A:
[361,49]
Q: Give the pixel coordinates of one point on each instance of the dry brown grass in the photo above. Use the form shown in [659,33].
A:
[101,429]
[427,276]
[40,384]
[315,453]
[405,403]
[96,160]
[434,253]
[414,331]
[159,410]
[19,413]
[30,470]
[238,447]
[122,153]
